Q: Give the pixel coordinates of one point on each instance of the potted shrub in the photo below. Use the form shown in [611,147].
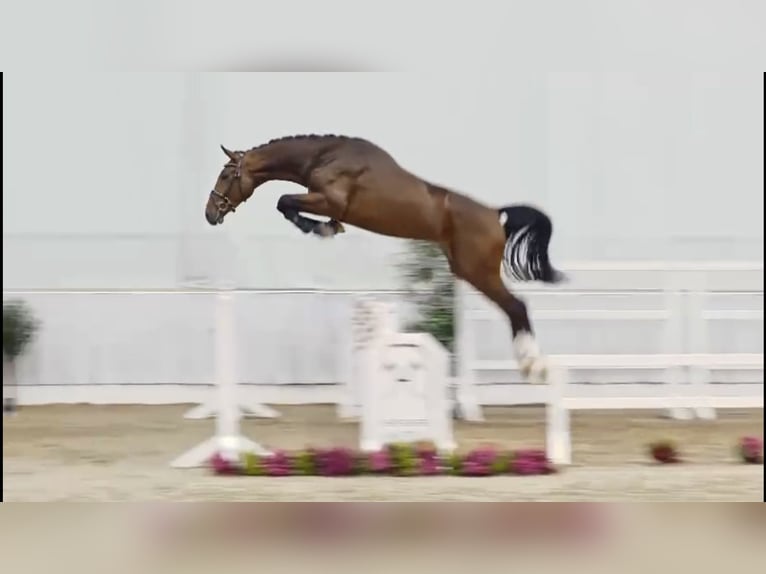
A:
[430,288]
[19,329]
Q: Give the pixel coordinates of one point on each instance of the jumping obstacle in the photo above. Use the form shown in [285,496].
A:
[227,441]
[685,362]
[399,385]
[370,319]
[209,409]
[558,404]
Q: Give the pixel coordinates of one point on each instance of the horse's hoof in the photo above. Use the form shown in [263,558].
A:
[324,230]
[535,370]
[329,228]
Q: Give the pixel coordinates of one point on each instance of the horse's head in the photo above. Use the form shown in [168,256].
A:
[234,185]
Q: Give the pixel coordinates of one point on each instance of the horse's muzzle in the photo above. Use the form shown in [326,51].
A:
[213,218]
[218,206]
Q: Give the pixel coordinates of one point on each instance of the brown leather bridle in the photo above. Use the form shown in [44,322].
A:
[222,202]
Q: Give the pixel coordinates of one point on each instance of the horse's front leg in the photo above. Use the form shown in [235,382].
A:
[292,205]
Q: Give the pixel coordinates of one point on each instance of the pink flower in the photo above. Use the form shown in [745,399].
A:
[751,449]
[429,466]
[336,462]
[428,458]
[529,462]
[426,451]
[474,468]
[527,467]
[222,466]
[664,452]
[536,455]
[479,462]
[278,464]
[380,461]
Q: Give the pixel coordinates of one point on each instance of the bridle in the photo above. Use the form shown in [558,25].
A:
[222,203]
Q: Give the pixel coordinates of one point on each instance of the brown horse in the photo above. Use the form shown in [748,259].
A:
[353,181]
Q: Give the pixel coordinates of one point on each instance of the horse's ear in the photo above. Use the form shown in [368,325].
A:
[231,155]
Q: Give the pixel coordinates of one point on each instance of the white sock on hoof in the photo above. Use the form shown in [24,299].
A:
[525,346]
[531,363]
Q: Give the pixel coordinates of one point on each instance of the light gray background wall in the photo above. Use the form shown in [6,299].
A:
[637,125]
[106,174]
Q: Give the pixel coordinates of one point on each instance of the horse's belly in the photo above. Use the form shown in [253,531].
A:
[407,217]
[397,223]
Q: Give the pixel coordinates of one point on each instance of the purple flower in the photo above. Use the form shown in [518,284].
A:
[380,461]
[751,449]
[474,468]
[536,455]
[426,451]
[526,467]
[531,462]
[278,464]
[429,466]
[428,458]
[479,462]
[222,465]
[335,462]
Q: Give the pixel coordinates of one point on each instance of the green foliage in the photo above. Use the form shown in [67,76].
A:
[19,328]
[431,287]
[305,463]
[403,458]
[454,464]
[502,464]
[252,465]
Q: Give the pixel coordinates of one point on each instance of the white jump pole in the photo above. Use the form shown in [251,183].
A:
[210,407]
[468,407]
[558,429]
[227,439]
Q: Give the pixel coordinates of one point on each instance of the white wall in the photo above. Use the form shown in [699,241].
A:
[157,347]
[637,125]
[107,174]
[167,338]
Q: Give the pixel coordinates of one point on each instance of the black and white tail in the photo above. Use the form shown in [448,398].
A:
[527,233]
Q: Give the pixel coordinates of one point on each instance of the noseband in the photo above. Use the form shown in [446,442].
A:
[224,205]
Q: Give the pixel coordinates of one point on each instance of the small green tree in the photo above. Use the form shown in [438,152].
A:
[19,329]
[431,287]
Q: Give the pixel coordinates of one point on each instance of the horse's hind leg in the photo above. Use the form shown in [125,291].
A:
[532,364]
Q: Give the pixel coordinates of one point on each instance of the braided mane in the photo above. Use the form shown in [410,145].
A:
[300,137]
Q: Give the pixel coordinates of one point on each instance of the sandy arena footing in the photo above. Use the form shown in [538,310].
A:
[120,453]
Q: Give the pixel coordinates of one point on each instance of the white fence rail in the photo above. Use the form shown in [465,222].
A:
[149,338]
[615,323]
[667,366]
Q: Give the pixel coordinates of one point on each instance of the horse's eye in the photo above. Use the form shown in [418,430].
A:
[224,176]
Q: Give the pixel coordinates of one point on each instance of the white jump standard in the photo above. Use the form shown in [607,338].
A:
[399,382]
[227,441]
